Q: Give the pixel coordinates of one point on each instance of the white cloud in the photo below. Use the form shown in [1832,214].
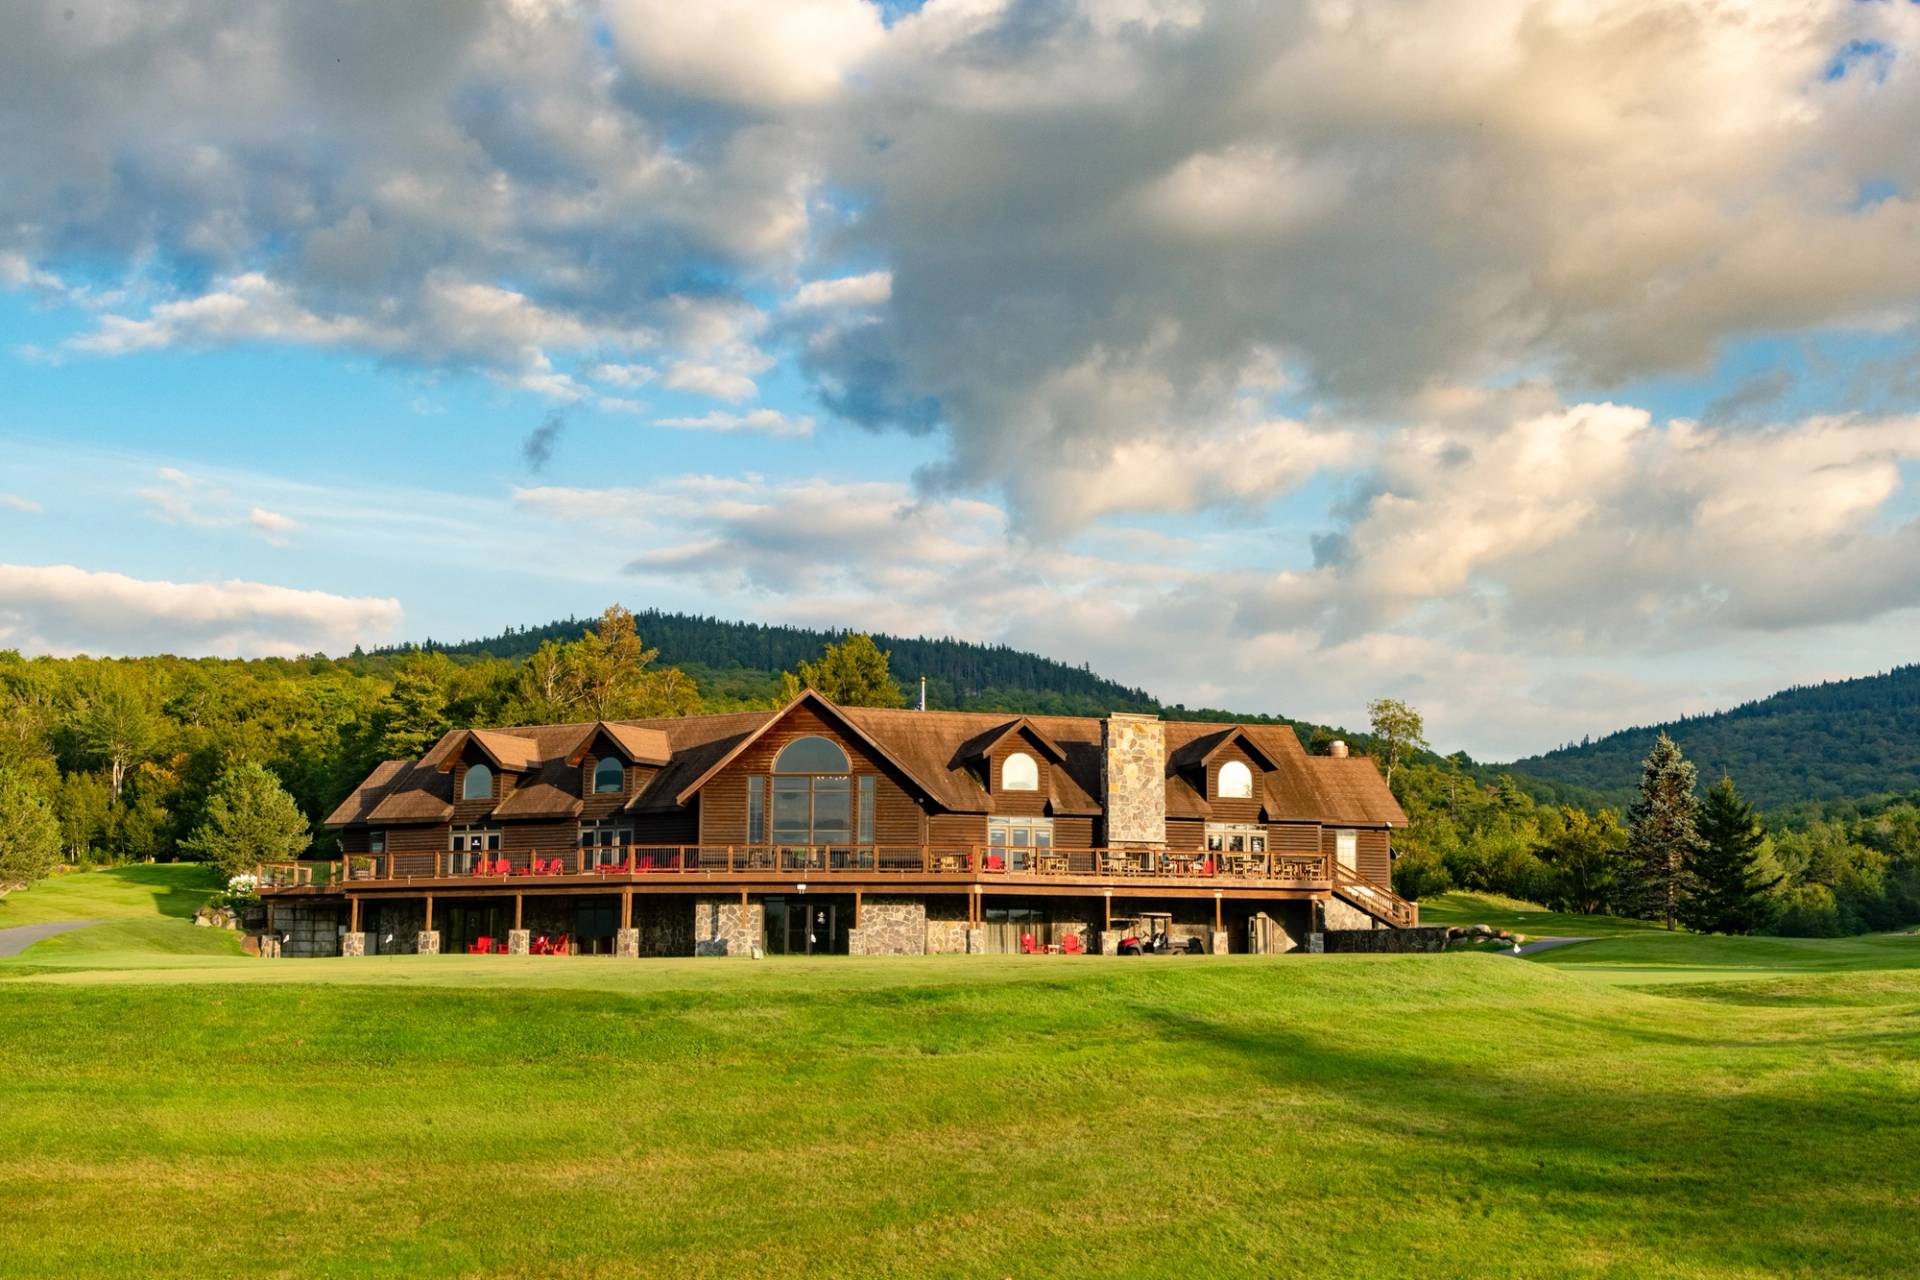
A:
[14,502]
[62,609]
[869,289]
[627,377]
[769,422]
[181,499]
[757,53]
[710,380]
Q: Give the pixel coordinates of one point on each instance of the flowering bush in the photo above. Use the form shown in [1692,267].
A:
[242,889]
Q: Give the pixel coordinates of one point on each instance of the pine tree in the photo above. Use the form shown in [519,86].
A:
[1730,890]
[1664,836]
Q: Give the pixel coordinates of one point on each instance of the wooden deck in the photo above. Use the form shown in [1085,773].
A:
[708,869]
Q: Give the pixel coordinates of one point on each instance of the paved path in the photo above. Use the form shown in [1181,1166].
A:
[1547,944]
[17,939]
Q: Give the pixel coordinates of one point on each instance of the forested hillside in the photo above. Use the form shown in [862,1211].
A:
[744,660]
[1843,740]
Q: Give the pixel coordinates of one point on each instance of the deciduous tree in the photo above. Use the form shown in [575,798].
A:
[853,673]
[1398,731]
[250,819]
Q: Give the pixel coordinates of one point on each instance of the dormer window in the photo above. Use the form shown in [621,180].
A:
[478,784]
[1019,773]
[1236,781]
[609,776]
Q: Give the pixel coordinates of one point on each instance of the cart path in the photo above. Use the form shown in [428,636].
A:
[1546,944]
[17,939]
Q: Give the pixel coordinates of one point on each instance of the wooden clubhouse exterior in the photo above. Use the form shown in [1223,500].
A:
[819,828]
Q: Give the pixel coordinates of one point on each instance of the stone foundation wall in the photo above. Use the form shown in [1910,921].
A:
[666,925]
[308,929]
[1339,914]
[1427,938]
[427,943]
[890,927]
[946,926]
[353,944]
[721,928]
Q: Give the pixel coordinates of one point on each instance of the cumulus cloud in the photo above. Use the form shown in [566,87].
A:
[868,289]
[62,609]
[25,506]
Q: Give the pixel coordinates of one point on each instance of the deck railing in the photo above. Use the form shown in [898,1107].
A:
[934,861]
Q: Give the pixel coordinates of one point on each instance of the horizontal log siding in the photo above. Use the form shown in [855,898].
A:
[950,830]
[1186,833]
[1073,833]
[1023,803]
[1293,837]
[1373,853]
[723,801]
[1228,810]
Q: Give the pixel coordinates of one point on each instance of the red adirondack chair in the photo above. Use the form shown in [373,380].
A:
[1072,946]
[562,946]
[482,946]
[1028,945]
[996,863]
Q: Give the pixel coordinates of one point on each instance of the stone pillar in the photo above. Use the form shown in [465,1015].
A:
[269,946]
[626,942]
[1218,943]
[976,941]
[722,928]
[428,943]
[519,942]
[1134,749]
[353,944]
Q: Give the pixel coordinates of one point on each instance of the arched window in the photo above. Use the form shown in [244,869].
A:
[811,755]
[1019,773]
[812,794]
[1236,781]
[609,776]
[478,784]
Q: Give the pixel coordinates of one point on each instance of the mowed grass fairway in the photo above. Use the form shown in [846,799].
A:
[1702,1108]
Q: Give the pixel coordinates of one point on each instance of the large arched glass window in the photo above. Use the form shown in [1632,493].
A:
[812,793]
[1019,773]
[609,776]
[1236,781]
[478,784]
[811,755]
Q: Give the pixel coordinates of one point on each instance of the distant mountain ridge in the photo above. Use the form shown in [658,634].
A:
[1840,740]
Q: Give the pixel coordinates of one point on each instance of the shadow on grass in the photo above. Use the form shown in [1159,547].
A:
[182,888]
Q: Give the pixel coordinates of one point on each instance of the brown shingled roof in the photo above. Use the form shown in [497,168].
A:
[422,794]
[1352,790]
[930,748]
[362,799]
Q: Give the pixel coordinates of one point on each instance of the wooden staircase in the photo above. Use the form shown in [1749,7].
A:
[1378,901]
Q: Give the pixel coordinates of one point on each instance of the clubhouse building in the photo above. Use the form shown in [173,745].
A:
[850,830]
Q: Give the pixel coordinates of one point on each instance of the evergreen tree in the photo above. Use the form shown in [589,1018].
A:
[853,673]
[29,833]
[250,819]
[1731,892]
[1663,835]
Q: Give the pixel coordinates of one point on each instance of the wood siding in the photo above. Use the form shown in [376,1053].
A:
[1373,852]
[1018,803]
[897,816]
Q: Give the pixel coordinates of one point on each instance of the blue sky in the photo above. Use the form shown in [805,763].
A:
[1274,357]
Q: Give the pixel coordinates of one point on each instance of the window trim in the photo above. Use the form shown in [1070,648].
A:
[1347,840]
[1027,781]
[377,841]
[1248,833]
[620,784]
[1002,828]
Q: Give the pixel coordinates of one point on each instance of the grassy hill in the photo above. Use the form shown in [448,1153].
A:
[1843,740]
[1668,1105]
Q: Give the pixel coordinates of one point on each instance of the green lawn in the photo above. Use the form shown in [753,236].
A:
[1461,1115]
[1524,917]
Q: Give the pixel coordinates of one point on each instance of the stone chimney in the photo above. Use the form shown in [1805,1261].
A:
[1337,749]
[1135,751]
